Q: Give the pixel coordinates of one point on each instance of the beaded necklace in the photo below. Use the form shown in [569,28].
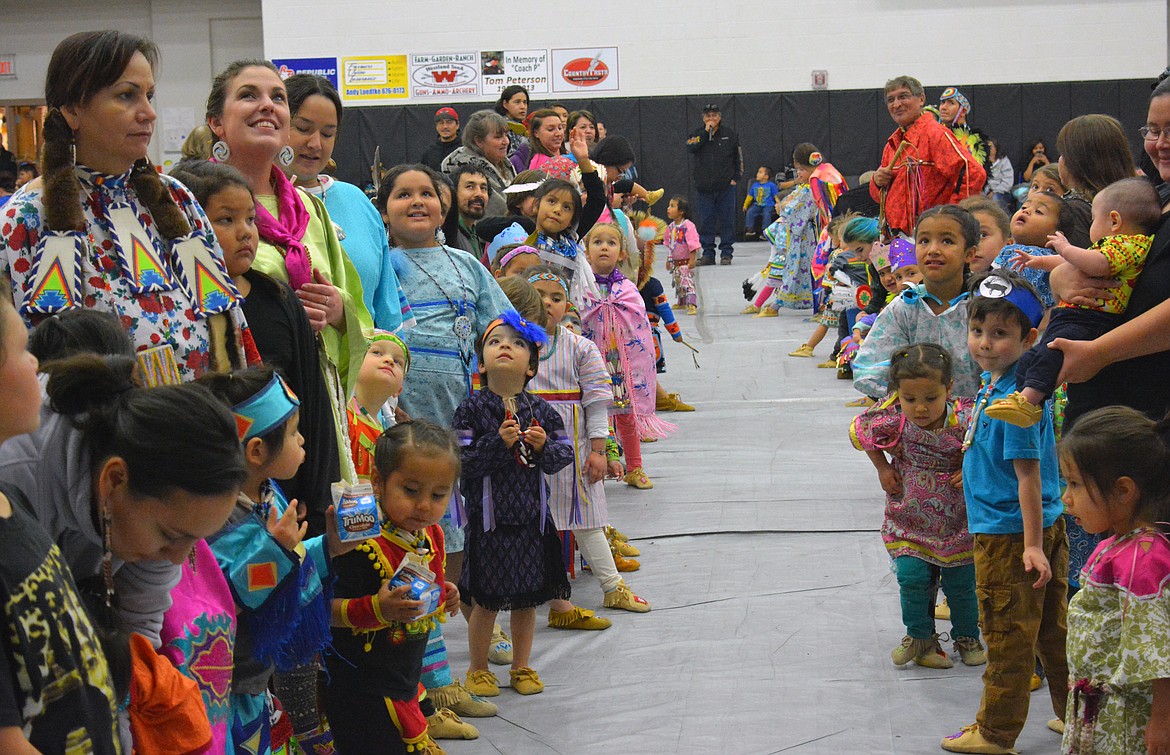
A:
[977,413]
[462,325]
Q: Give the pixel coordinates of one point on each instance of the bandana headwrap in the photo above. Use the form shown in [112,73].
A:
[513,234]
[902,254]
[265,411]
[377,334]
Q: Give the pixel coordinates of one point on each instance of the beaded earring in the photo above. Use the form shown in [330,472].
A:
[107,556]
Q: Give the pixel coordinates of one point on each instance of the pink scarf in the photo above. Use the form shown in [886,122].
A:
[288,230]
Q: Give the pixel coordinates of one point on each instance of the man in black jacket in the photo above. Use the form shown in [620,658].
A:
[718,167]
[447,127]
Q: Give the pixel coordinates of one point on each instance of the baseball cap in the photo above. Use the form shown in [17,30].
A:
[445,113]
[710,107]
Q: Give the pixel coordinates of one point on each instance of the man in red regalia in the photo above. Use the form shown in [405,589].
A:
[932,168]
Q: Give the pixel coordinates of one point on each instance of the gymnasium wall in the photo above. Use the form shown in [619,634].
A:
[670,47]
[756,60]
[850,127]
[195,37]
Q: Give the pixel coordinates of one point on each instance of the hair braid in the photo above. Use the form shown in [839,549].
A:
[152,192]
[62,190]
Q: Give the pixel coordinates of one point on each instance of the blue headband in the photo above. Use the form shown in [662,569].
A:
[998,287]
[265,411]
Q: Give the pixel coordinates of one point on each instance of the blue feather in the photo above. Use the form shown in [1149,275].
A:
[529,331]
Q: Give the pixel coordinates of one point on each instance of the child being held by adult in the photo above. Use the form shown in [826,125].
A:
[1125,213]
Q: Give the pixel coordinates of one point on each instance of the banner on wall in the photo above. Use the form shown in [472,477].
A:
[325,67]
[585,69]
[374,79]
[503,68]
[445,74]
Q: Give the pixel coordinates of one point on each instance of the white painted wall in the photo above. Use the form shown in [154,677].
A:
[181,28]
[721,46]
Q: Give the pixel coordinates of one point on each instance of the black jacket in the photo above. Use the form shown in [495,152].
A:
[433,157]
[718,159]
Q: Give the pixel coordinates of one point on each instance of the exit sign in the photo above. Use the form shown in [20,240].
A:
[7,66]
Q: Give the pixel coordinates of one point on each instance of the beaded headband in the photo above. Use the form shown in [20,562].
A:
[551,278]
[268,409]
[522,249]
[377,334]
[951,93]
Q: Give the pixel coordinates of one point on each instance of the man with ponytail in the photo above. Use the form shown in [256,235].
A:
[102,230]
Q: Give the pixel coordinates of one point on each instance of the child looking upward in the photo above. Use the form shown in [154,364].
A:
[616,321]
[1125,213]
[573,379]
[380,378]
[510,440]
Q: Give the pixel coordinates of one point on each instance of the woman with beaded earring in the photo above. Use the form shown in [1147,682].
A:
[316,120]
[102,229]
[248,112]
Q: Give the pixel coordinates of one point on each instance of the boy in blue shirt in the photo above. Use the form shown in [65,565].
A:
[1012,486]
[760,203]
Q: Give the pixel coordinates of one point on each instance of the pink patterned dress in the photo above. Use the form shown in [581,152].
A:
[930,520]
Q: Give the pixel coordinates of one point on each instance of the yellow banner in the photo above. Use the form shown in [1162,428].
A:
[373,79]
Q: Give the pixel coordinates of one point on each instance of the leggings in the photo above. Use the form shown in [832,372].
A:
[364,721]
[763,296]
[627,431]
[595,548]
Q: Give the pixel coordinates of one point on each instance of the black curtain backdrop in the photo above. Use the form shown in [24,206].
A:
[849,127]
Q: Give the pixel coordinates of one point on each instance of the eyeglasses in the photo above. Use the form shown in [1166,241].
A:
[1153,133]
[900,97]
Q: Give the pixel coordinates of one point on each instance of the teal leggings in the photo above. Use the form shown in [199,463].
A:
[916,580]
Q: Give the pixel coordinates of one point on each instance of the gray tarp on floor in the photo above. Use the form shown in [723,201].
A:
[774,606]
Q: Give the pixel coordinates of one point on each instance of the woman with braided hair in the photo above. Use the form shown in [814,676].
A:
[101,229]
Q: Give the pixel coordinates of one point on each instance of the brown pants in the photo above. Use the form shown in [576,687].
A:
[1020,622]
